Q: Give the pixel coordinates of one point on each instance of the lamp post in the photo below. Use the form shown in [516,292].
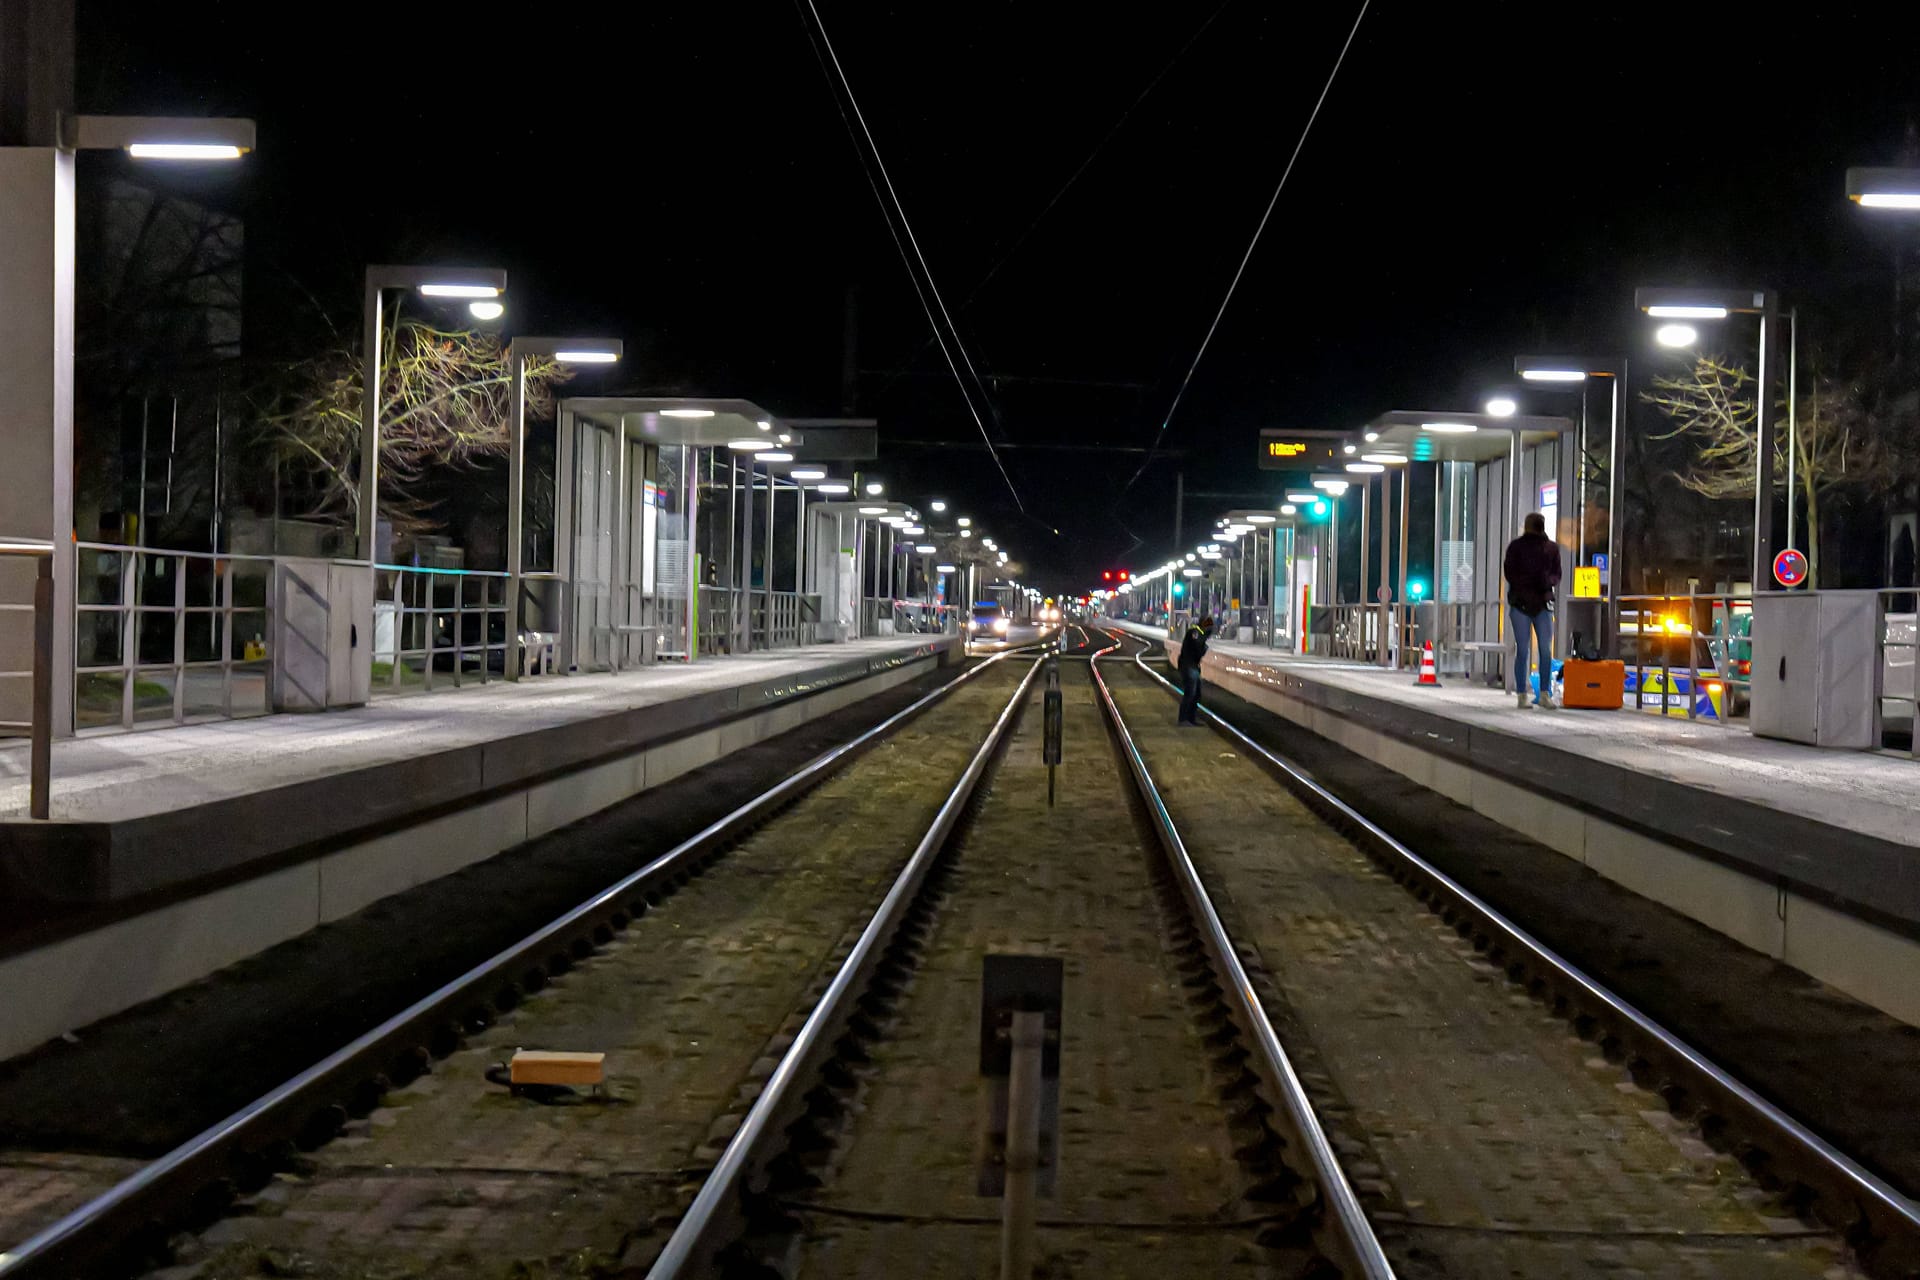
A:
[1718,304]
[565,351]
[37,236]
[478,285]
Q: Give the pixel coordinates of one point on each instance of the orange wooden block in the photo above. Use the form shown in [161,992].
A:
[544,1066]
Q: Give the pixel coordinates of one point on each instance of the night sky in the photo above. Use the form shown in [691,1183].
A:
[1484,179]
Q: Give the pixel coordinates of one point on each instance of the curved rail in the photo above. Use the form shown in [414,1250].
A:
[92,1233]
[1359,1248]
[1879,1199]
[716,1214]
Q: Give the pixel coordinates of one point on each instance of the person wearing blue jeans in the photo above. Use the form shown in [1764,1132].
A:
[1532,568]
[1192,649]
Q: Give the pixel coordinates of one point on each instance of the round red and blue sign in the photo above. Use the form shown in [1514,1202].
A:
[1790,568]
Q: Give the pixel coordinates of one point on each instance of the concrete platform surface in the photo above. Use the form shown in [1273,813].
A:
[1844,825]
[218,793]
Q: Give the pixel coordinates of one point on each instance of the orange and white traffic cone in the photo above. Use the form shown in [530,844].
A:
[1428,675]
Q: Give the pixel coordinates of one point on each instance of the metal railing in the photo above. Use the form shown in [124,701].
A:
[185,644]
[1711,638]
[438,627]
[39,725]
[792,621]
[917,617]
[1899,646]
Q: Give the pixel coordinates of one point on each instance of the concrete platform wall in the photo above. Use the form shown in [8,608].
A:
[1870,963]
[66,984]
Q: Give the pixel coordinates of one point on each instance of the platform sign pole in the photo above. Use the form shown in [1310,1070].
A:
[1051,721]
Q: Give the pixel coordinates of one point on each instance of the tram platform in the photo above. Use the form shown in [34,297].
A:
[1809,855]
[195,846]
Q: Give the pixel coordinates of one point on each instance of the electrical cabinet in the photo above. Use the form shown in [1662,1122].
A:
[1816,667]
[322,634]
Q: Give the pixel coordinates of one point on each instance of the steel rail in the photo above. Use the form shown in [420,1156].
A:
[155,1196]
[1879,1199]
[1352,1233]
[718,1212]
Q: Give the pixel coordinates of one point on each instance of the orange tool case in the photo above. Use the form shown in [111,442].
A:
[1598,686]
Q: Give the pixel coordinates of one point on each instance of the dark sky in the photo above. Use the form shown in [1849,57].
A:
[1484,179]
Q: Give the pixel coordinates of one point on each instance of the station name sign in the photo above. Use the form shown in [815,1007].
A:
[1284,450]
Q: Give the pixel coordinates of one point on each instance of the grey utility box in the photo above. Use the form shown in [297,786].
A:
[1816,668]
[322,634]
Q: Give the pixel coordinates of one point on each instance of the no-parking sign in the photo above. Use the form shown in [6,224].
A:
[1790,568]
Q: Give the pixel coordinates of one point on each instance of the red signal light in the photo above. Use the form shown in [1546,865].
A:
[1123,575]
[1106,575]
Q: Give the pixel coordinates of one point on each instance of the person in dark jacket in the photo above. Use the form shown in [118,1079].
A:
[1533,572]
[1192,649]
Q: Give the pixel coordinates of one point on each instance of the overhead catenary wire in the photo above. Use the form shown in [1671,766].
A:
[1252,244]
[892,209]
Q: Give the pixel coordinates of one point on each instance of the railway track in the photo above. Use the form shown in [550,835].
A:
[1500,1111]
[801,861]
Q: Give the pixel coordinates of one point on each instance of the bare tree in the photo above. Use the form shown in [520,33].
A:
[444,403]
[1712,407]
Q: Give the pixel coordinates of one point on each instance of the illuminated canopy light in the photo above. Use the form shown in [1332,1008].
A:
[1332,486]
[1676,335]
[1384,459]
[746,446]
[944,568]
[966,533]
[1365,468]
[1302,497]
[873,511]
[807,473]
[1679,311]
[459,291]
[965,522]
[585,357]
[1260,519]
[1890,200]
[764,425]
[486,310]
[936,506]
[832,488]
[773,455]
[1371,436]
[686,413]
[1555,375]
[1190,555]
[1288,509]
[911,529]
[1193,573]
[1502,407]
[785,438]
[1449,428]
[1347,448]
[184,151]
[925,548]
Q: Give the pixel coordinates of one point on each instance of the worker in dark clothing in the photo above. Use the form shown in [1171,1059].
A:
[1192,649]
[1533,572]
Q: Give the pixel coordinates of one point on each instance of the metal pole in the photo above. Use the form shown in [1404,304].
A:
[1765,415]
[766,562]
[1023,1146]
[371,357]
[1793,418]
[516,492]
[1580,484]
[40,751]
[742,616]
[1616,500]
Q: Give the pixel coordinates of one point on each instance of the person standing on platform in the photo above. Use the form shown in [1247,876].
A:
[1192,650]
[1533,571]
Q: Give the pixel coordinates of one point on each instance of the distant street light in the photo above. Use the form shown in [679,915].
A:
[1718,304]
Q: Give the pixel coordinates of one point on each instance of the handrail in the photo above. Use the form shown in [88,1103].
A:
[40,726]
[1350,1219]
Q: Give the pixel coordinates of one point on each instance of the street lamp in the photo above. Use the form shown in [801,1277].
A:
[474,283]
[1884,188]
[565,351]
[1718,304]
[1571,373]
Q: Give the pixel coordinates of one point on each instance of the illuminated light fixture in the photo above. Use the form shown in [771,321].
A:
[832,488]
[1260,519]
[1332,486]
[936,506]
[1449,428]
[764,425]
[912,530]
[1193,573]
[965,522]
[1676,335]
[183,151]
[807,473]
[1554,375]
[459,291]
[1191,556]
[944,568]
[873,511]
[486,310]
[1302,497]
[1684,311]
[1889,200]
[1366,468]
[586,357]
[746,446]
[1384,459]
[925,548]
[1883,188]
[1502,407]
[1347,448]
[1288,509]
[966,533]
[875,488]
[786,438]
[686,413]
[159,137]
[1371,436]
[773,455]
